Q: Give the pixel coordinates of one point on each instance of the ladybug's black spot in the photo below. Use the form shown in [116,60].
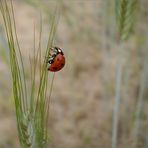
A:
[62,64]
[55,68]
[58,59]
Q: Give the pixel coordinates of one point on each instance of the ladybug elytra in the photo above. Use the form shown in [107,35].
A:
[56,59]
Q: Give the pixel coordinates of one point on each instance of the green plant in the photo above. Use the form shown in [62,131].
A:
[125,17]
[31,110]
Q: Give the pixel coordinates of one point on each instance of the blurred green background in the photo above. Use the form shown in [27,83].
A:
[83,97]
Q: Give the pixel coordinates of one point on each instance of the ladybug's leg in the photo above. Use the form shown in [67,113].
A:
[50,59]
[54,49]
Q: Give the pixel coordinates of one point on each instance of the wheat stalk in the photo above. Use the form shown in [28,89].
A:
[125,15]
[31,111]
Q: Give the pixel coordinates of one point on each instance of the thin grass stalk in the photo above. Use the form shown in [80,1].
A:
[13,58]
[125,16]
[12,23]
[40,105]
[146,141]
[16,58]
[140,104]
[116,110]
[18,88]
[39,45]
[33,72]
[54,23]
[48,99]
[138,113]
[19,50]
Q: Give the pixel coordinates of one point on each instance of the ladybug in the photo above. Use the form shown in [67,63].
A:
[56,59]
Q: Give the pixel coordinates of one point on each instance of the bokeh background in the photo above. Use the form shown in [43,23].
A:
[84,92]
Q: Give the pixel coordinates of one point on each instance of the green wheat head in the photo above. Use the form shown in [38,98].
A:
[125,15]
[31,110]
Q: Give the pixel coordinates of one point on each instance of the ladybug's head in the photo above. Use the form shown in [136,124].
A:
[57,50]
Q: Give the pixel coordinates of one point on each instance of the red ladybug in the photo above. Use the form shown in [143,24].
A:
[56,59]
